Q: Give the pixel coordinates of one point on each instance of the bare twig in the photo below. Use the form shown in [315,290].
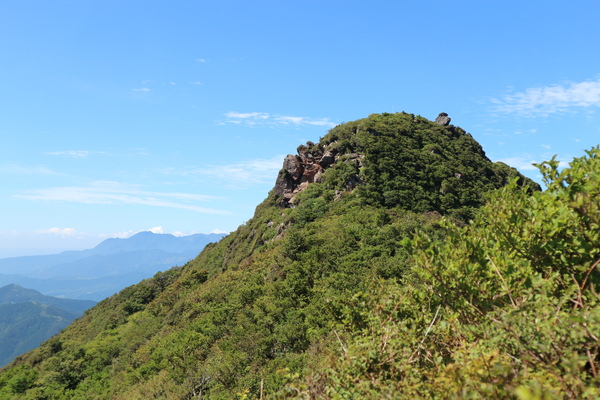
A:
[503,282]
[588,273]
[426,333]
[341,343]
[579,301]
[592,364]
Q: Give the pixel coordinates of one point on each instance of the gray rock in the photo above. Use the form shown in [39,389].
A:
[327,159]
[293,165]
[443,119]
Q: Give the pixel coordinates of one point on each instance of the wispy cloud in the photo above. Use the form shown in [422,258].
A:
[62,232]
[522,163]
[107,192]
[239,175]
[141,90]
[74,153]
[543,101]
[261,118]
[16,169]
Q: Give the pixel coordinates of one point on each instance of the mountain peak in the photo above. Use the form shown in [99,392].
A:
[149,234]
[12,292]
[398,160]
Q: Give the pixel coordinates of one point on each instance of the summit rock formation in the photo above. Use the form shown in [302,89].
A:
[443,119]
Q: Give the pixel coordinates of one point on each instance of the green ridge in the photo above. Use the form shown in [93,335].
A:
[372,285]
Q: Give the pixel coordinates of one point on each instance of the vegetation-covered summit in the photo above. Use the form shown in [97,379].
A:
[358,279]
[403,160]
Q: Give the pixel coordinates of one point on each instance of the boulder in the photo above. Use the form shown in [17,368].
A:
[443,119]
[327,159]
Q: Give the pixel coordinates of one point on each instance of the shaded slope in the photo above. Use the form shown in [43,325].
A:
[12,294]
[28,318]
[24,326]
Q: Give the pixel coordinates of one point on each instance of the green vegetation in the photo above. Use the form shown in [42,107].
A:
[375,285]
[28,318]
[420,166]
[25,326]
[506,308]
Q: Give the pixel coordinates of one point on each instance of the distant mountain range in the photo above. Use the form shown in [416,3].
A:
[97,273]
[28,318]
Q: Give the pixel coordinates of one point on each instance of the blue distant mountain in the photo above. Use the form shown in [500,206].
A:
[107,268]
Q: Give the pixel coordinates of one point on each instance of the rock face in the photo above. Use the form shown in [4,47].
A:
[443,119]
[301,170]
[293,165]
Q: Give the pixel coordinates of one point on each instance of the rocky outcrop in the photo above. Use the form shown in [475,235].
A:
[300,170]
[443,119]
[327,159]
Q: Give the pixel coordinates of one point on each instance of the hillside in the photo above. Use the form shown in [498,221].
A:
[28,318]
[112,265]
[361,276]
[14,294]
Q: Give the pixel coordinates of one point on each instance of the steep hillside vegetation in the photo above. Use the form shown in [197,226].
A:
[360,277]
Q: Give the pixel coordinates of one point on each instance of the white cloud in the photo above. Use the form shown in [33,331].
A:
[242,174]
[551,99]
[303,121]
[157,229]
[255,118]
[197,83]
[251,116]
[74,153]
[523,163]
[119,235]
[59,232]
[141,90]
[201,60]
[25,170]
[106,192]
[218,231]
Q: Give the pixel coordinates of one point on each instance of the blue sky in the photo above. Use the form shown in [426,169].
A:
[123,116]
